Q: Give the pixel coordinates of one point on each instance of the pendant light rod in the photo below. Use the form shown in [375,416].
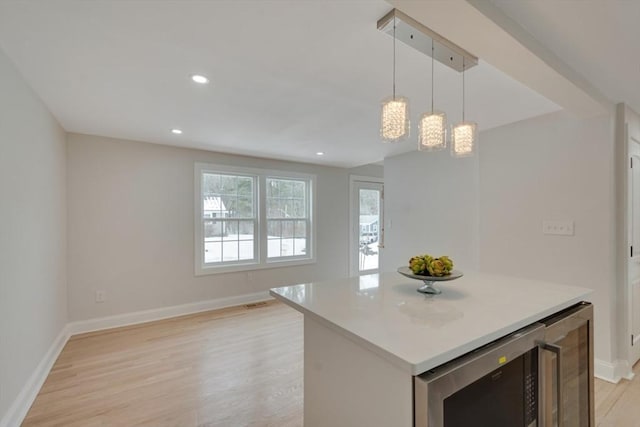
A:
[432,61]
[463,90]
[412,33]
[394,58]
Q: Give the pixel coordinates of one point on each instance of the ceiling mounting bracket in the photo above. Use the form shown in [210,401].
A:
[419,37]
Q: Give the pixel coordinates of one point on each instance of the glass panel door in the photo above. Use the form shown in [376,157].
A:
[367,222]
[573,350]
[499,399]
[567,374]
[369,228]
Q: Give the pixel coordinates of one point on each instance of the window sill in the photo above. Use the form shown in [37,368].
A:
[206,271]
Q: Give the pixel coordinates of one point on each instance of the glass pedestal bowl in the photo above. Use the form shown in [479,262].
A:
[428,287]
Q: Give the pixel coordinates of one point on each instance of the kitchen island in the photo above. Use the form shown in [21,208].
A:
[365,338]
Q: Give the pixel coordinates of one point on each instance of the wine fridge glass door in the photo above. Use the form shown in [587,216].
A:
[566,383]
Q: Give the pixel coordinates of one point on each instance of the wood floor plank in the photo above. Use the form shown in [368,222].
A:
[232,367]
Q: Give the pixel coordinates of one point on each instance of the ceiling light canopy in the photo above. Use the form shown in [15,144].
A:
[425,40]
[198,78]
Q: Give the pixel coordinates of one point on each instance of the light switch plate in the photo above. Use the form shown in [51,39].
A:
[560,228]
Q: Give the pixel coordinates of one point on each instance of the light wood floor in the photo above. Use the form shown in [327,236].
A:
[230,368]
[618,405]
[234,367]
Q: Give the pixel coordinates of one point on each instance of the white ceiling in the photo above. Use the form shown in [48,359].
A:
[599,39]
[289,78]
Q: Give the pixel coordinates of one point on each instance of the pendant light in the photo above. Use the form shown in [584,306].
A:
[394,118]
[464,134]
[432,129]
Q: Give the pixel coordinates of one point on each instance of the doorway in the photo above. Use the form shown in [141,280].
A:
[633,236]
[366,225]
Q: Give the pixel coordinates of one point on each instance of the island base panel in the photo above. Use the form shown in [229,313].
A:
[346,385]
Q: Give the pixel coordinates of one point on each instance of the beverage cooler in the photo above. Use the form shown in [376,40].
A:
[539,376]
[566,381]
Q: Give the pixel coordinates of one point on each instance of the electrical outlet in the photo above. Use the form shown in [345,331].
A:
[101,296]
[560,228]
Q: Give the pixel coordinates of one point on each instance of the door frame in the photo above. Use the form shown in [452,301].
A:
[353,206]
[627,127]
[633,150]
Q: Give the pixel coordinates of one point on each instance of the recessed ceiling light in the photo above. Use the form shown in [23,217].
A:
[199,79]
[320,153]
[176,131]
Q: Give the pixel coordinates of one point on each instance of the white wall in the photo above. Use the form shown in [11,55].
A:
[131,227]
[431,207]
[553,167]
[33,300]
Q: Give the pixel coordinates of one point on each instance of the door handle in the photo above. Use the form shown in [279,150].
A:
[557,350]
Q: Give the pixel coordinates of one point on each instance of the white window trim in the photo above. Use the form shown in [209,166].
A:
[261,262]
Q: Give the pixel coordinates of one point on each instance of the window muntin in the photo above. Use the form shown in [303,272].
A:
[251,219]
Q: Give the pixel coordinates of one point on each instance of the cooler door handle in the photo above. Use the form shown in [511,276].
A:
[557,350]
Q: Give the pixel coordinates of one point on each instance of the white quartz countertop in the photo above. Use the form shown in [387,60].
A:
[386,314]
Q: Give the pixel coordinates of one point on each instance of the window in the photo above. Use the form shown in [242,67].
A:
[228,217]
[287,217]
[250,218]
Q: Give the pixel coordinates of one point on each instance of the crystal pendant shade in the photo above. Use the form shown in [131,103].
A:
[432,134]
[463,139]
[394,120]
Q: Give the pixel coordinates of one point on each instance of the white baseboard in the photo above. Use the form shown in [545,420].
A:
[91,325]
[624,370]
[18,410]
[612,372]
